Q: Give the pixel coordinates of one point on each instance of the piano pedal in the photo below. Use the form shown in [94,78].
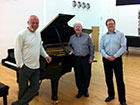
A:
[55,102]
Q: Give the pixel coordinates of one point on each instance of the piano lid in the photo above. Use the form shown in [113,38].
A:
[59,25]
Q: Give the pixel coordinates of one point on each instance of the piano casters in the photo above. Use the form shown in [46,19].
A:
[54,88]
[55,102]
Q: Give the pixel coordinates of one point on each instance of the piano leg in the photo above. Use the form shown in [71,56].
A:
[127,47]
[54,86]
[17,73]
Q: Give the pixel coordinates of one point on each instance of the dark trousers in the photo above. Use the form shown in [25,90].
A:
[28,84]
[82,69]
[116,66]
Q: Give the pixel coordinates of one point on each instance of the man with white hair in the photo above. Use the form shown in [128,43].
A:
[81,46]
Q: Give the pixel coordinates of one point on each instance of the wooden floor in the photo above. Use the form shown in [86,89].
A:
[68,90]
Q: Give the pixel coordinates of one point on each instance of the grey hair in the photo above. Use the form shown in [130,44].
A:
[78,22]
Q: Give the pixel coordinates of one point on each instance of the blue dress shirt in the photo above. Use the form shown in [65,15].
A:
[82,45]
[113,44]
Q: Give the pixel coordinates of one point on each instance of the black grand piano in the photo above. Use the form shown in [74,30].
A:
[55,37]
[133,41]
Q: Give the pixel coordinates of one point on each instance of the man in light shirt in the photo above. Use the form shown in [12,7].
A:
[27,53]
[112,46]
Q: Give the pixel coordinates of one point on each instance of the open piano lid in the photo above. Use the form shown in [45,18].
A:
[59,25]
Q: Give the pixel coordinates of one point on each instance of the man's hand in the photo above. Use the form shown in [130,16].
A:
[90,61]
[111,58]
[48,59]
[71,53]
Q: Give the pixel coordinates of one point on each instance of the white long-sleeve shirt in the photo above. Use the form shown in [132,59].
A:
[28,49]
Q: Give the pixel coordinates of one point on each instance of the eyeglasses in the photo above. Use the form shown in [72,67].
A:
[110,24]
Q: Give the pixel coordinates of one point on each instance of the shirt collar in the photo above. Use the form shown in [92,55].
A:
[112,33]
[80,34]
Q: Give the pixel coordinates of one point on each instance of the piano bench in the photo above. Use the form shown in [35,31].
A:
[4,92]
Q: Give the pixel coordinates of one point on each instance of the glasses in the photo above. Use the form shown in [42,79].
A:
[110,24]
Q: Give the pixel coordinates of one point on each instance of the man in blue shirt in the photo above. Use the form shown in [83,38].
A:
[81,46]
[112,46]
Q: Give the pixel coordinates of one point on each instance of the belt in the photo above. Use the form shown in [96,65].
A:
[82,56]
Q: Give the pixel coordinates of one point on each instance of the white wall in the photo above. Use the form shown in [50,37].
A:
[107,10]
[89,17]
[13,18]
[128,19]
[14,15]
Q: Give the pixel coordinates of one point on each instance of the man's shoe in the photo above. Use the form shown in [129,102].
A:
[109,99]
[86,94]
[123,103]
[15,103]
[79,95]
